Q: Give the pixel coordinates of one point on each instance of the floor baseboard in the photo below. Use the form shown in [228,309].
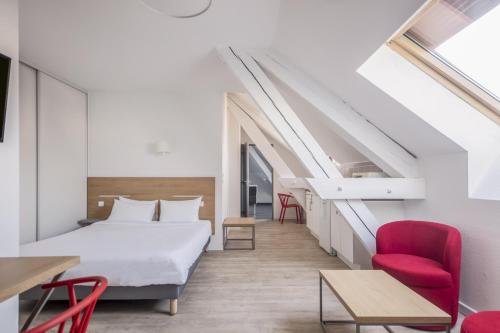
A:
[465,309]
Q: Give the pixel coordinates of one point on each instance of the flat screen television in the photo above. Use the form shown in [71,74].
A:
[4,91]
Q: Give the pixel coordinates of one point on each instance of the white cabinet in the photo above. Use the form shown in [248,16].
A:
[324,225]
[311,214]
[53,155]
[342,237]
[62,156]
[318,219]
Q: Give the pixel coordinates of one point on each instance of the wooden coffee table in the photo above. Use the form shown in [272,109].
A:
[374,298]
[242,222]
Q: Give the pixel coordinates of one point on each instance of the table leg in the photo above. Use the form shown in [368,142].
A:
[224,237]
[325,323]
[253,238]
[388,329]
[321,303]
[320,299]
[40,304]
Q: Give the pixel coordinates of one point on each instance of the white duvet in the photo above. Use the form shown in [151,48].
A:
[129,254]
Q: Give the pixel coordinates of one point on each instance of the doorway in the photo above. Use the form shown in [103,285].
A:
[256,184]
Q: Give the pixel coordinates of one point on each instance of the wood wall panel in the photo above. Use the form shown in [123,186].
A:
[150,188]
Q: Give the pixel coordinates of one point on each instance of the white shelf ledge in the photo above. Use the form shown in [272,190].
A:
[368,188]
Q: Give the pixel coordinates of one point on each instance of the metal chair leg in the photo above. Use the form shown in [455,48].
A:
[40,303]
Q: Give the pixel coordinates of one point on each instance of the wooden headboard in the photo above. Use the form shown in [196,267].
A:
[150,188]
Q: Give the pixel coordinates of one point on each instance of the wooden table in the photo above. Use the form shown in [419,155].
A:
[242,222]
[374,298]
[18,274]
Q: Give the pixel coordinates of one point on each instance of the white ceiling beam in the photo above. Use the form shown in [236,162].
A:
[279,113]
[260,140]
[295,183]
[260,119]
[369,188]
[349,124]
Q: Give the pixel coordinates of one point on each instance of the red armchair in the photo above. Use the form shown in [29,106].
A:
[425,256]
[482,322]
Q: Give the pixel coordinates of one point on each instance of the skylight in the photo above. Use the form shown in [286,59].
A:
[463,34]
[475,51]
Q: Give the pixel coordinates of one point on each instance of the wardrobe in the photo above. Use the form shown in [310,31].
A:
[53,163]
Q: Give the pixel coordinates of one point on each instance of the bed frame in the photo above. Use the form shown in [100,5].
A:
[171,292]
[105,190]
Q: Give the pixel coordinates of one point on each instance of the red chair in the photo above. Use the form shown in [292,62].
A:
[285,205]
[79,312]
[482,322]
[425,256]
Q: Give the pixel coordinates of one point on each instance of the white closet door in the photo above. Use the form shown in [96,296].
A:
[62,156]
[27,145]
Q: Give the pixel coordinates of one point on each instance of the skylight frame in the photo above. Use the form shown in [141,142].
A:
[442,71]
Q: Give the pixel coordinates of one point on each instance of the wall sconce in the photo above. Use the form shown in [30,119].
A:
[179,8]
[162,147]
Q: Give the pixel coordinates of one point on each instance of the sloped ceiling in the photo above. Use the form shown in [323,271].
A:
[124,45]
[329,40]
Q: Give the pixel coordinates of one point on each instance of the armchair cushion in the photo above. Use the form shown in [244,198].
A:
[482,322]
[413,271]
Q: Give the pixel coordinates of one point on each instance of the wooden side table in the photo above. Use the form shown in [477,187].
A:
[242,222]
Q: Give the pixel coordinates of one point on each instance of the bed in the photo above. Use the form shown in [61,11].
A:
[140,260]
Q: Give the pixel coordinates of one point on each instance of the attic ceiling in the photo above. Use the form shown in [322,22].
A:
[330,40]
[123,45]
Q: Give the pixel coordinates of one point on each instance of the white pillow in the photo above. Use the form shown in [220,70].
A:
[132,212]
[180,211]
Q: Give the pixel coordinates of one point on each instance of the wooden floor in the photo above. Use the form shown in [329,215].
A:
[271,289]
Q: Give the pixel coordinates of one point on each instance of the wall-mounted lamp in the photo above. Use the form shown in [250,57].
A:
[182,9]
[162,147]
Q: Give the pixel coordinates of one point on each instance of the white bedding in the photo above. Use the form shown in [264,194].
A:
[128,253]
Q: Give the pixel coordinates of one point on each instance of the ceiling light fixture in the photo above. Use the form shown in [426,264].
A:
[179,8]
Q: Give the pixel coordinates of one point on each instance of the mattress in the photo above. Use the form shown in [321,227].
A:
[127,253]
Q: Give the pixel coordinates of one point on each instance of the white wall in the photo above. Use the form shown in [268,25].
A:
[478,221]
[231,165]
[9,157]
[123,128]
